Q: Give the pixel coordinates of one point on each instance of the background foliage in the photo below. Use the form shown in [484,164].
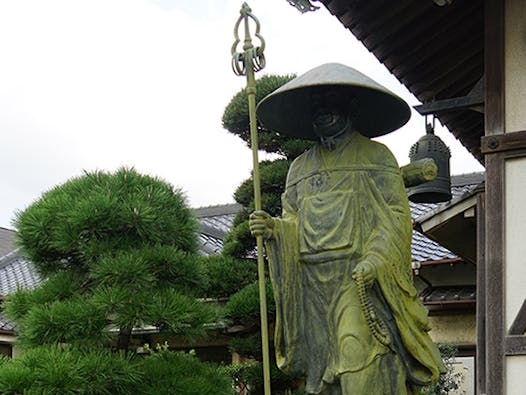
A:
[451,380]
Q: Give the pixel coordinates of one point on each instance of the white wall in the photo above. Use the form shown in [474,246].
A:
[515,241]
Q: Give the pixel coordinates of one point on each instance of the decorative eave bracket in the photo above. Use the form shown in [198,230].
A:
[474,100]
[303,6]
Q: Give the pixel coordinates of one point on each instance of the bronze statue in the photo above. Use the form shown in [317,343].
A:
[348,317]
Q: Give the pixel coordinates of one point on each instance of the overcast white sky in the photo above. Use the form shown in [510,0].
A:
[100,84]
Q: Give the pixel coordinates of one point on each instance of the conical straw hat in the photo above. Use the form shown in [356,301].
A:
[376,110]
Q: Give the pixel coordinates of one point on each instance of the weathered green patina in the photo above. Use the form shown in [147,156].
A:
[348,316]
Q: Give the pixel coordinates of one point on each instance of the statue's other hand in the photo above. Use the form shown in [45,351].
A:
[261,224]
[367,271]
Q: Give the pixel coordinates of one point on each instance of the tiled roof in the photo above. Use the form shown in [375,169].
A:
[424,249]
[16,272]
[461,185]
[6,325]
[7,238]
[216,222]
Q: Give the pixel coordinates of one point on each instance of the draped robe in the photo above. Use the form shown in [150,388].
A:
[342,207]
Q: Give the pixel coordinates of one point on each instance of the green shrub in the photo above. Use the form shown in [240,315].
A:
[227,275]
[239,243]
[248,347]
[69,370]
[168,373]
[450,380]
[70,321]
[179,314]
[243,307]
[57,287]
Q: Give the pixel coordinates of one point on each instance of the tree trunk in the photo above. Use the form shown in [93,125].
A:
[123,340]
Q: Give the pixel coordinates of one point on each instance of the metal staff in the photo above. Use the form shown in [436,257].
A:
[246,63]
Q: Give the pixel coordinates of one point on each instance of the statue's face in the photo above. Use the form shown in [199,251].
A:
[328,117]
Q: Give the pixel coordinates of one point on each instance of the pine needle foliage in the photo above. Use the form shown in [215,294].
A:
[59,287]
[181,373]
[74,223]
[227,275]
[272,176]
[61,370]
[74,320]
[119,251]
[248,346]
[239,243]
[179,314]
[243,307]
[236,119]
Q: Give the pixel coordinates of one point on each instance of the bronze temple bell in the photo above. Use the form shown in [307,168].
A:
[439,189]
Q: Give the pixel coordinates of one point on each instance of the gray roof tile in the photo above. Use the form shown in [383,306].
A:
[216,222]
[7,241]
[424,249]
[420,209]
[15,272]
[6,325]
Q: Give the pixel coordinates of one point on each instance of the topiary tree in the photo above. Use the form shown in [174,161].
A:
[243,307]
[118,251]
[236,120]
[239,243]
[227,275]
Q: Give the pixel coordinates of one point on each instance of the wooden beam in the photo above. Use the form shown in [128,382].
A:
[454,104]
[515,345]
[503,142]
[480,364]
[494,65]
[433,219]
[495,193]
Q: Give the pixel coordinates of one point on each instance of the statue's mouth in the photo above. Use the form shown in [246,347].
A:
[324,120]
[328,124]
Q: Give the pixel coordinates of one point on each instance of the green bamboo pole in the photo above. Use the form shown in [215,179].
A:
[246,64]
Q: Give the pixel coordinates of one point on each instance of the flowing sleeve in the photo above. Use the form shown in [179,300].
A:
[286,278]
[388,217]
[388,248]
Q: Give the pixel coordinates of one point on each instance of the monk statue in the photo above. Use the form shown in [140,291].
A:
[348,318]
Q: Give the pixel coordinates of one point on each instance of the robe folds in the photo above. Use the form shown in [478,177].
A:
[342,207]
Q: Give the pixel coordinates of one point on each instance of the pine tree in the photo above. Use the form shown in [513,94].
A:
[118,252]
